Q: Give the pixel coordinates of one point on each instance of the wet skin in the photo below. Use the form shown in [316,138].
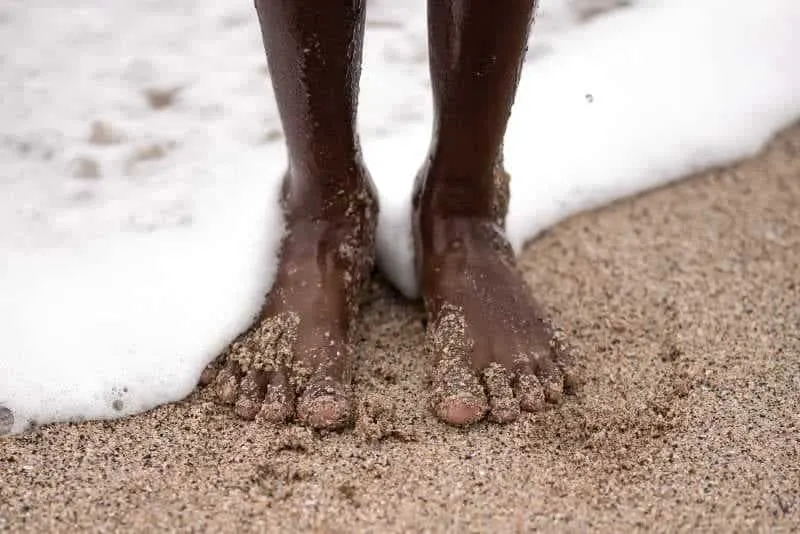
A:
[493,352]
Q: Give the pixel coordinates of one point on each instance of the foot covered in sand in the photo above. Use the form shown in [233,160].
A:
[494,353]
[294,363]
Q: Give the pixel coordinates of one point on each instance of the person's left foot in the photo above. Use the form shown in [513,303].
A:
[494,351]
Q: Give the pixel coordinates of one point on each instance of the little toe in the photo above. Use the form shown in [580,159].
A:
[251,394]
[529,392]
[567,357]
[226,384]
[552,380]
[571,375]
[278,404]
[503,407]
[325,404]
[572,380]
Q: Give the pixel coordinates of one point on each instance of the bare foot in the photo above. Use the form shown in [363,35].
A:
[494,352]
[295,360]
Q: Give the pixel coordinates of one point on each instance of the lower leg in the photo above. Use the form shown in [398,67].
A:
[476,52]
[314,50]
[295,359]
[494,351]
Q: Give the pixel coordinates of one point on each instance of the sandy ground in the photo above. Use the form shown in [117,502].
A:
[686,303]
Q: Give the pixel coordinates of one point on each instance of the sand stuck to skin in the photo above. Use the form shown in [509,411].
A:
[686,304]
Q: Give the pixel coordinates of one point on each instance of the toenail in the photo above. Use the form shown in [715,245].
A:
[461,411]
[325,411]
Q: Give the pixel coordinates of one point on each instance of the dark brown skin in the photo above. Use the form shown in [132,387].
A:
[494,353]
[314,56]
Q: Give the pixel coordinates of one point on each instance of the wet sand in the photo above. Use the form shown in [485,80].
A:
[686,304]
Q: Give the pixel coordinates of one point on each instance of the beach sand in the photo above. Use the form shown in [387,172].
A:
[685,302]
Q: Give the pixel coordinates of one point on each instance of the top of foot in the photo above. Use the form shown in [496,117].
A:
[495,354]
[294,363]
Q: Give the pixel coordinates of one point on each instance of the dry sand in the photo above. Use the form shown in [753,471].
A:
[686,303]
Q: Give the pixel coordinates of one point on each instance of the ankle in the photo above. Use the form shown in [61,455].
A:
[330,194]
[457,193]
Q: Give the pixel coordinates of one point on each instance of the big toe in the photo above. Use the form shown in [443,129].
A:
[458,398]
[325,406]
[461,410]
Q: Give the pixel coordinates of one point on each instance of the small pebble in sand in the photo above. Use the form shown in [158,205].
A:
[85,168]
[160,98]
[102,133]
[147,153]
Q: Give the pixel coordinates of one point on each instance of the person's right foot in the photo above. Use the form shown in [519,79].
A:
[294,361]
